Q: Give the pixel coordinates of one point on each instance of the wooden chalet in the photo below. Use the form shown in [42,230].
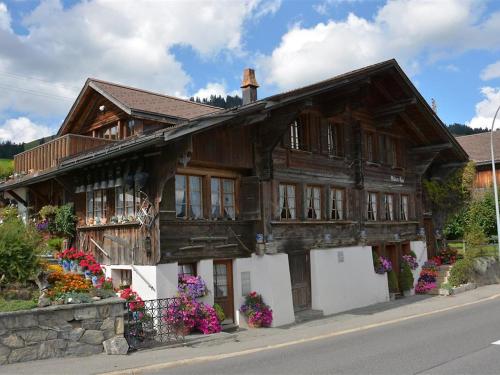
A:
[286,195]
[478,147]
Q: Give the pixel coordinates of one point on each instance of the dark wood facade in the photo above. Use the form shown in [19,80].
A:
[332,167]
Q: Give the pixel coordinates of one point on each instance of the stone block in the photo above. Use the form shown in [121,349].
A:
[55,318]
[37,335]
[91,324]
[4,354]
[13,341]
[92,337]
[118,310]
[28,353]
[116,346]
[19,321]
[75,334]
[82,349]
[119,325]
[51,349]
[104,311]
[85,313]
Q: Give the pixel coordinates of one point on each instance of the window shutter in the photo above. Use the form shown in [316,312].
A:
[249,198]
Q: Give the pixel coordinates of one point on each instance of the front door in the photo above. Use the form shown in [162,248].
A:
[300,275]
[223,287]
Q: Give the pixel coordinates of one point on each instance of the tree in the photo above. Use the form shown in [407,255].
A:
[219,101]
[461,129]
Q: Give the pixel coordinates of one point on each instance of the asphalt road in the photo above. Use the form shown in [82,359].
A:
[453,342]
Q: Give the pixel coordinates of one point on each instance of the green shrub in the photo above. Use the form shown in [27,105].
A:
[393,282]
[481,212]
[376,261]
[406,277]
[454,229]
[55,244]
[19,245]
[65,221]
[461,272]
[219,312]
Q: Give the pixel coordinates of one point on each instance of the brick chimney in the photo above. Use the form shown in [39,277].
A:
[249,86]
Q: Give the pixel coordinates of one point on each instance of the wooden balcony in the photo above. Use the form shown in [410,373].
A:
[47,155]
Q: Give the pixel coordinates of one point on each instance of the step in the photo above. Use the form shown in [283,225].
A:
[307,315]
[433,292]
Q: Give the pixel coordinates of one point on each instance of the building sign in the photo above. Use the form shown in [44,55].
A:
[398,179]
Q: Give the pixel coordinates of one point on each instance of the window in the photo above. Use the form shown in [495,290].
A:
[186,269]
[287,203]
[127,201]
[295,141]
[371,206]
[404,215]
[370,148]
[338,199]
[222,198]
[334,139]
[313,202]
[188,199]
[382,149]
[111,133]
[387,150]
[97,205]
[388,207]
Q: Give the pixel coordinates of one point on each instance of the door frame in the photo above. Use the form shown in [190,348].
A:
[307,255]
[230,286]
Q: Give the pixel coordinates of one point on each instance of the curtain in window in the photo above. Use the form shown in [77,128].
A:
[180,195]
[228,188]
[129,201]
[282,202]
[90,205]
[215,194]
[404,207]
[339,199]
[373,205]
[290,192]
[119,199]
[390,207]
[195,197]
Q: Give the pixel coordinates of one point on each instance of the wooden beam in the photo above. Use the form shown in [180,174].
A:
[14,195]
[394,107]
[414,127]
[429,148]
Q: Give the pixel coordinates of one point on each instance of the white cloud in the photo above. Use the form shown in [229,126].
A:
[451,68]
[492,71]
[123,41]
[22,129]
[269,7]
[415,32]
[485,109]
[4,18]
[214,88]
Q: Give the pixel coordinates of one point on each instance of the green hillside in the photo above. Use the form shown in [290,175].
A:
[6,167]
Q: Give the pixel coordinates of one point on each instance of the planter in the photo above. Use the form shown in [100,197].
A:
[255,325]
[409,293]
[182,331]
[392,296]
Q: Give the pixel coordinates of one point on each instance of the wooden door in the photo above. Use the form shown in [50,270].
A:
[300,275]
[392,252]
[223,287]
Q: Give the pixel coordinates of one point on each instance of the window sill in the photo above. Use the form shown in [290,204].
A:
[373,164]
[313,222]
[299,151]
[110,225]
[390,222]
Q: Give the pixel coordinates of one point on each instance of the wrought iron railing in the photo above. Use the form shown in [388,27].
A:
[147,323]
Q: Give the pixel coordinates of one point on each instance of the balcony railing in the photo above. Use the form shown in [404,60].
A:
[47,155]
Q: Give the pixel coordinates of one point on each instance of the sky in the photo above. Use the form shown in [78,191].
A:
[450,49]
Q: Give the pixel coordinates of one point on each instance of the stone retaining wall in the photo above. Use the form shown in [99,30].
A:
[59,331]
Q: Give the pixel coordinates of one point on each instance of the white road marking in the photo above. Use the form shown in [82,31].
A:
[496,343]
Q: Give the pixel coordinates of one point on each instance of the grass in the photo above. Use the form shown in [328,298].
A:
[16,305]
[6,167]
[483,251]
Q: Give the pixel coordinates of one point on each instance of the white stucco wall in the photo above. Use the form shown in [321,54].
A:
[205,269]
[420,250]
[339,286]
[270,277]
[163,279]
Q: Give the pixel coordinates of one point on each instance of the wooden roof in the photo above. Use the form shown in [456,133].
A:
[134,101]
[478,146]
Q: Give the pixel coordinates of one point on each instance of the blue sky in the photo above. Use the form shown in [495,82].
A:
[449,48]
